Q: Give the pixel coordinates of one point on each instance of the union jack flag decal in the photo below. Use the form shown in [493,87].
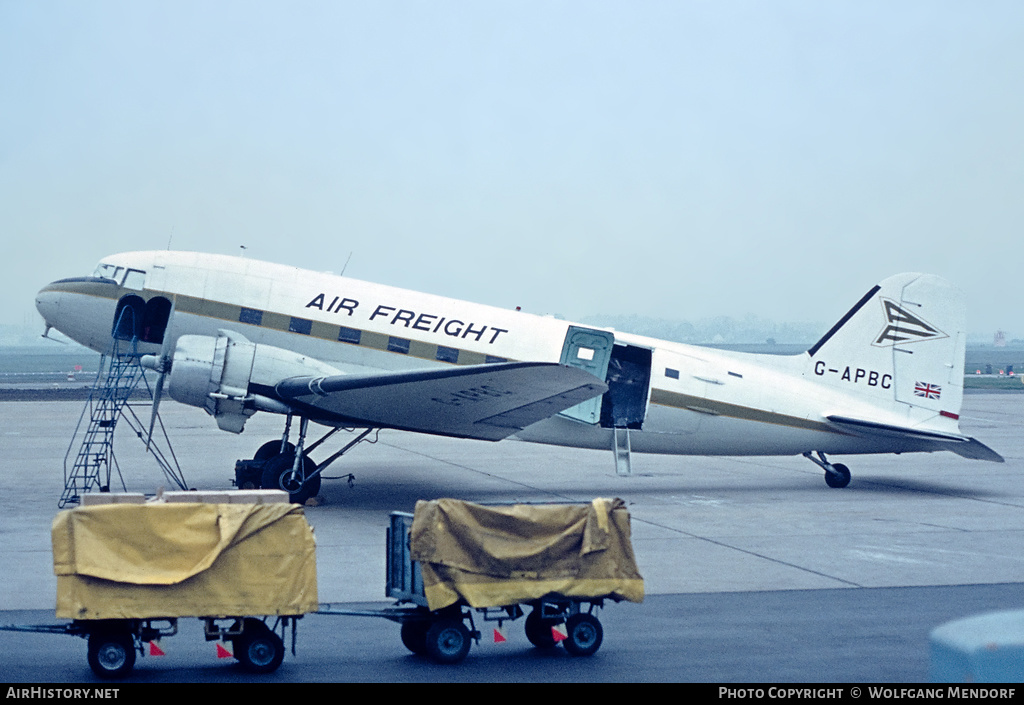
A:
[928,391]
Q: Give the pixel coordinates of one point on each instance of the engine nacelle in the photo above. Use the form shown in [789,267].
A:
[216,373]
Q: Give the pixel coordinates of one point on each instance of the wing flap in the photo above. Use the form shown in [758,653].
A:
[487,402]
[965,446]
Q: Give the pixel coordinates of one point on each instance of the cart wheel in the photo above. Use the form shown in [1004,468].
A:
[111,654]
[414,635]
[538,630]
[257,648]
[447,641]
[584,634]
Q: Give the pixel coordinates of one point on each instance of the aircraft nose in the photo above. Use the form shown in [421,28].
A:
[48,304]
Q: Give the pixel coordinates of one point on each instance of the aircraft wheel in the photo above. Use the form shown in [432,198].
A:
[448,641]
[842,479]
[271,448]
[585,634]
[257,648]
[276,476]
[111,654]
[538,630]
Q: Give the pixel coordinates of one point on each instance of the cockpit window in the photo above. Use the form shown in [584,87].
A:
[134,279]
[129,278]
[108,271]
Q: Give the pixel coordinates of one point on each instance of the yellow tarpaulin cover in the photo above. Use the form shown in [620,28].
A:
[120,561]
[495,556]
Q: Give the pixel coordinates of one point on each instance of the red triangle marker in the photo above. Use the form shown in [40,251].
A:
[222,652]
[499,637]
[559,633]
[155,650]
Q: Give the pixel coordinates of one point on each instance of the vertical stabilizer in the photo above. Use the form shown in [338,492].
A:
[901,347]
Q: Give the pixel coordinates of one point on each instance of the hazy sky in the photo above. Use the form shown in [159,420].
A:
[678,159]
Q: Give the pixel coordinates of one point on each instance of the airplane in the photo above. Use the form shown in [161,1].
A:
[234,335]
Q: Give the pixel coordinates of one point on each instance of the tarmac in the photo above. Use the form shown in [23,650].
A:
[700,524]
[755,570]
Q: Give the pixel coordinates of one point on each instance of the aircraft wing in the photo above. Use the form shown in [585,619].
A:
[487,402]
[961,445]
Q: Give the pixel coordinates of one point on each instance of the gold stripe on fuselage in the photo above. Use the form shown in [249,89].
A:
[231,313]
[712,407]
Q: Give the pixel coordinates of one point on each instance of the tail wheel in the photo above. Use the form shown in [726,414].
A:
[840,477]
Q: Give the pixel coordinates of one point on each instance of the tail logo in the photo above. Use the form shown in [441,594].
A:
[903,327]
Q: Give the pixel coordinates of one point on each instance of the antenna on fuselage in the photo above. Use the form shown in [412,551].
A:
[242,248]
[346,265]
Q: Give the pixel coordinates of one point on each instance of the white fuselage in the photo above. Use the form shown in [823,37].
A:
[696,400]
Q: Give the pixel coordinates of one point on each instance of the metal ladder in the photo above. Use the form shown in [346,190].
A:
[621,448]
[107,403]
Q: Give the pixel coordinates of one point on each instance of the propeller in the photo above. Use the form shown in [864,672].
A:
[161,364]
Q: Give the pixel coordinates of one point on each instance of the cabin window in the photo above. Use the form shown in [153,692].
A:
[447,354]
[252,316]
[300,325]
[398,345]
[349,335]
[669,372]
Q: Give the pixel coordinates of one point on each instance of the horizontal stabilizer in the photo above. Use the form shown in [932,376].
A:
[976,450]
[961,445]
[487,402]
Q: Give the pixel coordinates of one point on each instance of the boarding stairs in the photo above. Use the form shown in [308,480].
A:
[120,386]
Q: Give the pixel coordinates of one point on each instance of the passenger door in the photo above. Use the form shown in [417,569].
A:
[590,350]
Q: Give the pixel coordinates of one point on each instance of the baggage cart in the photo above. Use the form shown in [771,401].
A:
[114,644]
[560,561]
[127,570]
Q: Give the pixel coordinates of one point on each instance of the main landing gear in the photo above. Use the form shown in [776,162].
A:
[281,465]
[836,475]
